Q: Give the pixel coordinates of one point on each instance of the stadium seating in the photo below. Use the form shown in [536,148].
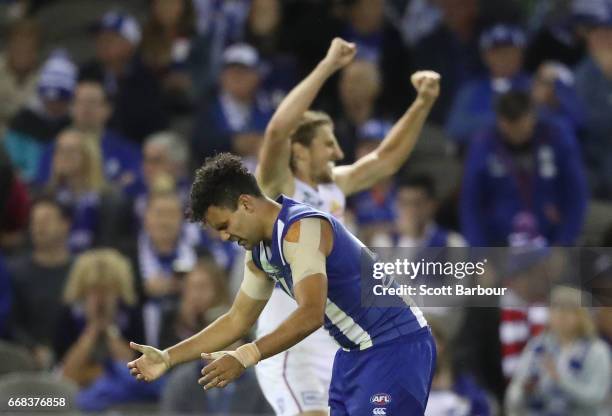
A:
[14,358]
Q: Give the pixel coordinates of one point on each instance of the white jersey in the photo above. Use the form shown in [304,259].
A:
[298,379]
[327,197]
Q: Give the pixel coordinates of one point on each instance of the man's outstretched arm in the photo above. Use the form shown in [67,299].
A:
[306,246]
[253,295]
[273,172]
[394,150]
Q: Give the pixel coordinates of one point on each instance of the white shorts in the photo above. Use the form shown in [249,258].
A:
[296,380]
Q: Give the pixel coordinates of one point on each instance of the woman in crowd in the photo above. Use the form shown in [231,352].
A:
[566,370]
[77,180]
[99,316]
[204,297]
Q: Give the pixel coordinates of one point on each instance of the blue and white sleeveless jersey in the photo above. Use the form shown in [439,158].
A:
[351,324]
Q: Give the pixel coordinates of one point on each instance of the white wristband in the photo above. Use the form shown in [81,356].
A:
[166,358]
[247,354]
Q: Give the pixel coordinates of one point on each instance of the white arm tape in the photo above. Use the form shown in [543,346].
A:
[305,256]
[255,285]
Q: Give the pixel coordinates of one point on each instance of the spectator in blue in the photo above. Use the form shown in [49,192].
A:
[415,206]
[553,92]
[594,86]
[380,43]
[264,30]
[36,125]
[414,19]
[5,299]
[77,180]
[99,313]
[452,51]
[132,87]
[166,246]
[566,369]
[234,118]
[168,49]
[502,48]
[524,180]
[90,112]
[374,208]
[165,155]
[219,24]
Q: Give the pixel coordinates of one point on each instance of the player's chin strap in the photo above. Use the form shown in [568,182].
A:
[248,354]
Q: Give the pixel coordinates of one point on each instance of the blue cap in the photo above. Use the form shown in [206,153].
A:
[592,12]
[502,35]
[58,77]
[121,23]
[373,130]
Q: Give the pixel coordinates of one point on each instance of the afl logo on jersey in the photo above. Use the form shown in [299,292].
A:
[380,399]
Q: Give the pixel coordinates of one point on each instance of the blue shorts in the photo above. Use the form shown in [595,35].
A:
[390,379]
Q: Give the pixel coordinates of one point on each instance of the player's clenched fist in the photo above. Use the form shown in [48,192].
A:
[340,53]
[427,84]
[150,365]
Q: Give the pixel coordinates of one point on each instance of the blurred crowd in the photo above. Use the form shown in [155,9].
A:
[105,114]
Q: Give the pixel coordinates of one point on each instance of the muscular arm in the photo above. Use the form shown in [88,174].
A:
[230,327]
[394,150]
[306,246]
[273,172]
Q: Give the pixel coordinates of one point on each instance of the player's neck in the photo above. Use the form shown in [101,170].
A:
[270,210]
[307,178]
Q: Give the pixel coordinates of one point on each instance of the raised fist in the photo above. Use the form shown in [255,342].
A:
[427,84]
[340,53]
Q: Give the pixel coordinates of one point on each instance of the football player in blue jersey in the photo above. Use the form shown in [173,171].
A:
[386,359]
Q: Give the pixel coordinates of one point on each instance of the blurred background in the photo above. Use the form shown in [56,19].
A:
[106,108]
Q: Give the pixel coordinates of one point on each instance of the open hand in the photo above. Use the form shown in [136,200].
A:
[221,371]
[150,365]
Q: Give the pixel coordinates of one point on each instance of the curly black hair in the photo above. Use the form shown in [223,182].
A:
[220,182]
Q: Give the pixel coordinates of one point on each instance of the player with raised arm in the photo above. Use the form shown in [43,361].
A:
[387,359]
[297,159]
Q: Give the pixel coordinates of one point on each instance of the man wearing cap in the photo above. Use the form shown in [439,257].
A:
[594,86]
[236,116]
[133,89]
[524,181]
[35,126]
[502,48]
